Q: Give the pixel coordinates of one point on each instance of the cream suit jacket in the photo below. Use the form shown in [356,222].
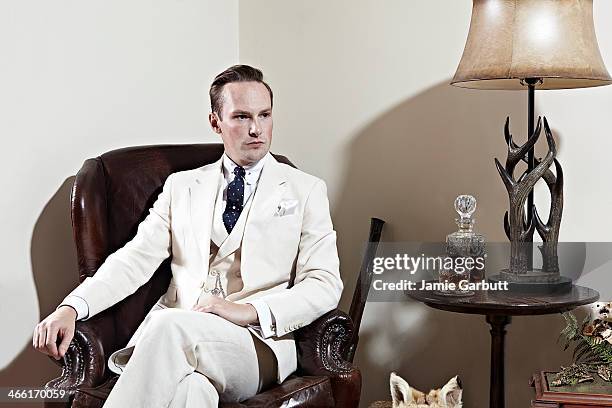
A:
[289,255]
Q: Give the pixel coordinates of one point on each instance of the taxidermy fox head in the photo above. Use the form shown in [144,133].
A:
[601,311]
[405,396]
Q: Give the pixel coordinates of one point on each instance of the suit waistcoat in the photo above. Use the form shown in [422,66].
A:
[225,250]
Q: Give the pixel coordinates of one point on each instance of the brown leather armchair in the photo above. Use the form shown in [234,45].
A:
[110,196]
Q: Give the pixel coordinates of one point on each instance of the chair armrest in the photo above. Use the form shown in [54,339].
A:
[84,364]
[322,348]
[322,345]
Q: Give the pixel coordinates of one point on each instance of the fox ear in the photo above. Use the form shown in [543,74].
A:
[401,392]
[452,392]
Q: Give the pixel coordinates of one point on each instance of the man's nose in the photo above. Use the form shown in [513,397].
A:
[255,129]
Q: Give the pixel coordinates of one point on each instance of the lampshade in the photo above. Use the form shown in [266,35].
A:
[510,40]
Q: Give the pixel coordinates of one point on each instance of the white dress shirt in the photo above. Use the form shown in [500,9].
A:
[267,324]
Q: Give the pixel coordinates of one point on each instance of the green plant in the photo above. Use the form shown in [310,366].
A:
[588,347]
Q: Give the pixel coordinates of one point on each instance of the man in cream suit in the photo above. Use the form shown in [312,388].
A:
[253,258]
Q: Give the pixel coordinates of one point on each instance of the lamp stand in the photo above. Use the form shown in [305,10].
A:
[522,219]
[531,83]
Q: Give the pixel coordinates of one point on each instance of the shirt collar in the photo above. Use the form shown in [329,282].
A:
[251,171]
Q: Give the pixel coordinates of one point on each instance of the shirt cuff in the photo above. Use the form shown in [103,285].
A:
[77,303]
[266,319]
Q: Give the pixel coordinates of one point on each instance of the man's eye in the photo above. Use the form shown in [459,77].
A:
[242,117]
[265,115]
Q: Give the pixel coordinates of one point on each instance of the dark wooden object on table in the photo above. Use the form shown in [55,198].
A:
[499,307]
[360,295]
[549,397]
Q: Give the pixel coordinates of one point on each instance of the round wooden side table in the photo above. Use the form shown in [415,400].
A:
[499,307]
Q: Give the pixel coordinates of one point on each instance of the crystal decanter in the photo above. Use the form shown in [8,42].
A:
[466,248]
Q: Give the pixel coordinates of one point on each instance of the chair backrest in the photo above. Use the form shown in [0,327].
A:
[111,195]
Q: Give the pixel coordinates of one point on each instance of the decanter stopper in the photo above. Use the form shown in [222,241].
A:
[465,205]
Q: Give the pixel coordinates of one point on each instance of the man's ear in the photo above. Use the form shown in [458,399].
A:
[401,393]
[214,120]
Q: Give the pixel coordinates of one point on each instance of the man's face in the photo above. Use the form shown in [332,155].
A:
[246,121]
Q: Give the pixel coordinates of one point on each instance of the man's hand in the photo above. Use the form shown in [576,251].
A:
[240,314]
[58,325]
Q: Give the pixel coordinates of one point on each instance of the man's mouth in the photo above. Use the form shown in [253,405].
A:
[259,142]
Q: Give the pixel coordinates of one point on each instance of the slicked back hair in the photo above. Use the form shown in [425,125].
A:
[236,73]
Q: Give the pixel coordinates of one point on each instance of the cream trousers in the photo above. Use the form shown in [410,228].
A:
[192,359]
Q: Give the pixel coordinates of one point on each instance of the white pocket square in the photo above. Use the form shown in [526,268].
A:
[286,207]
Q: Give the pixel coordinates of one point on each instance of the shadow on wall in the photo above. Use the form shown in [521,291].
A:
[55,273]
[407,167]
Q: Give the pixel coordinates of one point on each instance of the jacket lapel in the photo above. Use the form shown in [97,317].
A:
[262,204]
[270,189]
[219,233]
[233,240]
[203,192]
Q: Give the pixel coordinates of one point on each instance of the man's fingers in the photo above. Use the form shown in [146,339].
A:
[35,338]
[59,325]
[66,339]
[42,337]
[200,308]
[225,309]
[51,337]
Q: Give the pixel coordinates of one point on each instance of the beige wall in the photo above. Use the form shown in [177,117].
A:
[78,79]
[363,101]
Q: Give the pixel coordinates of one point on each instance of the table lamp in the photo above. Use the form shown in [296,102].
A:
[529,45]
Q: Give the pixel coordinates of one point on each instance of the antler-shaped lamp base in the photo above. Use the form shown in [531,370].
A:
[520,225]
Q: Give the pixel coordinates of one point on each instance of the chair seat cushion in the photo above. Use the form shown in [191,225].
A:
[305,391]
[94,397]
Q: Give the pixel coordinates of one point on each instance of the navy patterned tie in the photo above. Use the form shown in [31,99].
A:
[235,197]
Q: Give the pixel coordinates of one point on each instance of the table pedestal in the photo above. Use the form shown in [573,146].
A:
[498,307]
[498,334]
